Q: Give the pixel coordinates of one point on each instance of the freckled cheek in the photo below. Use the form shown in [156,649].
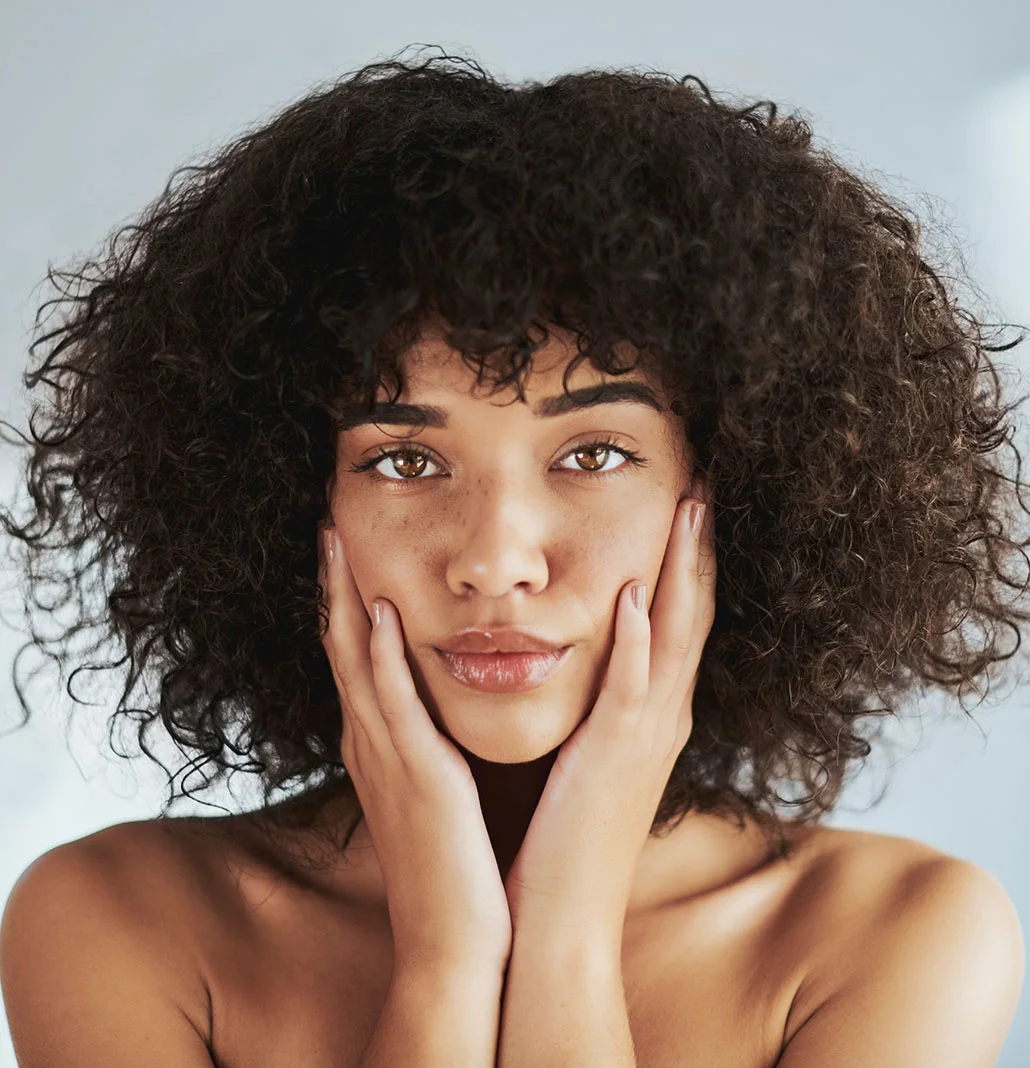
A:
[631,547]
[389,553]
[385,555]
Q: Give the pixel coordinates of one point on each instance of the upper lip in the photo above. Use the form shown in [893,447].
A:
[499,640]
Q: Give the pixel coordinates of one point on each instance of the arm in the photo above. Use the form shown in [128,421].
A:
[564,1003]
[935,984]
[440,1017]
[89,982]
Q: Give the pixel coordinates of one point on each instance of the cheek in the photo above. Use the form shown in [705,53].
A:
[385,553]
[389,550]
[628,543]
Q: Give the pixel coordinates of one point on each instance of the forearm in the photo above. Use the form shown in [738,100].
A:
[564,1005]
[438,1018]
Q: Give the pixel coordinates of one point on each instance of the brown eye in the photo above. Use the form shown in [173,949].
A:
[590,451]
[591,458]
[409,464]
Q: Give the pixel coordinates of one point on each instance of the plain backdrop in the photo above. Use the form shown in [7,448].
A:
[99,102]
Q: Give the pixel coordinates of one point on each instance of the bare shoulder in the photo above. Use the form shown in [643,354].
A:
[147,875]
[159,872]
[103,927]
[859,875]
[884,913]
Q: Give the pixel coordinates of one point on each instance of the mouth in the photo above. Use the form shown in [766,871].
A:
[503,672]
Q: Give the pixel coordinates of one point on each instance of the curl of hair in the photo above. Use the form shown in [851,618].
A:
[838,397]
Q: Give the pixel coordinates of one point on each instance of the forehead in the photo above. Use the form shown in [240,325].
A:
[438,389]
[431,365]
[435,381]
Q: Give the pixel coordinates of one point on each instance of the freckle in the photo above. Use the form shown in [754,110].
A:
[606,538]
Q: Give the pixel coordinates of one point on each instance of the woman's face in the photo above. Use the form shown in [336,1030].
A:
[500,518]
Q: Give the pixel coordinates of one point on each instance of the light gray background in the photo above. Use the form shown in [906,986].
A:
[100,101]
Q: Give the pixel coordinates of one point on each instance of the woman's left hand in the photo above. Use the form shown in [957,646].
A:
[577,861]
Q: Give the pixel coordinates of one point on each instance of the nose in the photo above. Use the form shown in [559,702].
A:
[498,542]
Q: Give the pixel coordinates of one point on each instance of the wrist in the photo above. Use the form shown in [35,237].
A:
[449,968]
[562,939]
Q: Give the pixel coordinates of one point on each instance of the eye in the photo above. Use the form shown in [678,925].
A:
[410,462]
[413,460]
[598,453]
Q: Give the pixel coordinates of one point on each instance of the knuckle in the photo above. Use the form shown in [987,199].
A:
[626,723]
[636,695]
[640,636]
[631,697]
[344,675]
[376,650]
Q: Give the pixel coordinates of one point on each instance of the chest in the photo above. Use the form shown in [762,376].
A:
[712,986]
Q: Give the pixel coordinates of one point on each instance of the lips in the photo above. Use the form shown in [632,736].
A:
[513,672]
[499,640]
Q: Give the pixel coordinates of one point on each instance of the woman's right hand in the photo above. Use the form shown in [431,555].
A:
[444,890]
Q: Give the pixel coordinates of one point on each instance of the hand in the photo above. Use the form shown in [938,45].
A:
[579,854]
[417,793]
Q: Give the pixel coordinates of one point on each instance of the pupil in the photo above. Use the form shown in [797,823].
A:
[593,452]
[407,459]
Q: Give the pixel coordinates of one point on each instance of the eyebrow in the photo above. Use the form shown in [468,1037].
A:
[430,415]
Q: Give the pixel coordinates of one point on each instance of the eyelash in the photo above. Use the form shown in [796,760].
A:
[632,458]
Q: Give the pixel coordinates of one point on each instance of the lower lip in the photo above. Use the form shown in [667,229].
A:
[503,672]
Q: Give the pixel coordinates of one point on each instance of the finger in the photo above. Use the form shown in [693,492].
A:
[674,608]
[706,550]
[406,717]
[707,571]
[626,682]
[346,643]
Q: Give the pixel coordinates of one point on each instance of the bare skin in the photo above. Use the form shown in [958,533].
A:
[274,962]
[268,948]
[492,529]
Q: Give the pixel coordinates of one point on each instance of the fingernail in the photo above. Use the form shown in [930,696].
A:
[687,519]
[696,517]
[377,614]
[639,595]
[330,544]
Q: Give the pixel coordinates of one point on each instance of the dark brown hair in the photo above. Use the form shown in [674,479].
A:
[841,401]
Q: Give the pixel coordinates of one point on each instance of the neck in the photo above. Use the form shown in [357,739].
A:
[508,796]
[705,852]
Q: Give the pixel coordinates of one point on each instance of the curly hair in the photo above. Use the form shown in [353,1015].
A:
[826,375]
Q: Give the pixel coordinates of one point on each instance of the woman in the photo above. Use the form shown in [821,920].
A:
[473,363]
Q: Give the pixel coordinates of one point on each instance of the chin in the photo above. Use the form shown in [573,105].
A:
[507,750]
[515,731]
[505,728]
